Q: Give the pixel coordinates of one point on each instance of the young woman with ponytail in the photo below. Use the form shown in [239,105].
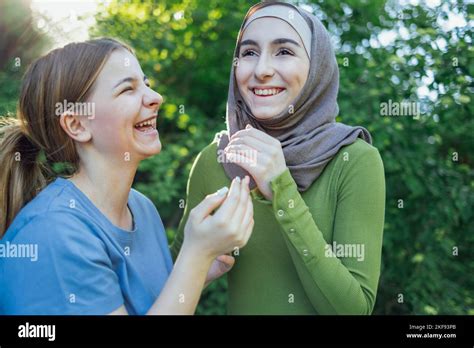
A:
[101,245]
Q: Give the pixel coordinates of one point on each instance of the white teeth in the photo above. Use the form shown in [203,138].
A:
[270,91]
[146,123]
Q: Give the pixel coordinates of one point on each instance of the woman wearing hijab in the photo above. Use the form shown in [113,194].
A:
[318,186]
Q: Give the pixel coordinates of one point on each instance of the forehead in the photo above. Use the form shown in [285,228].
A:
[266,29]
[120,64]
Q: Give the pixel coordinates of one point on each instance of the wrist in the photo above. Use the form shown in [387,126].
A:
[195,254]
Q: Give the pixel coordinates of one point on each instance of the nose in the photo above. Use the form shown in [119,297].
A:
[264,67]
[152,99]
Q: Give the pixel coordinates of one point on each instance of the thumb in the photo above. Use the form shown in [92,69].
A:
[210,203]
[226,262]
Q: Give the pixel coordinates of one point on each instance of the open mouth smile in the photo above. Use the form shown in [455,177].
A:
[147,126]
[267,92]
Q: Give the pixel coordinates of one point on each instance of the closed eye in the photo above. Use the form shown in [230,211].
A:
[129,88]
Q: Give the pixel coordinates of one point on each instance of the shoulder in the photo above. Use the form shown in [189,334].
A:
[50,198]
[357,155]
[55,210]
[358,149]
[57,231]
[208,155]
[359,164]
[207,160]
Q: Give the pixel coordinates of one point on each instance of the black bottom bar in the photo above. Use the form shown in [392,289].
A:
[407,330]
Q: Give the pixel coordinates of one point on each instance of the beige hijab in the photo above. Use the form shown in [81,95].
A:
[308,133]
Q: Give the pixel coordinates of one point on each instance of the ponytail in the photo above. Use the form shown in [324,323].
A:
[21,174]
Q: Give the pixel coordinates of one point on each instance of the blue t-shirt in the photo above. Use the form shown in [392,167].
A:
[61,255]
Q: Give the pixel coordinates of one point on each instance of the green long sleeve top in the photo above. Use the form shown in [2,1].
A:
[317,252]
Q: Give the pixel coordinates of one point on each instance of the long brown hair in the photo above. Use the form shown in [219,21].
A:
[34,140]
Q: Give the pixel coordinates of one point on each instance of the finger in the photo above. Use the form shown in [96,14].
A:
[255,143]
[245,220]
[242,149]
[250,154]
[239,212]
[221,265]
[254,133]
[228,207]
[208,205]
[248,216]
[249,230]
[226,260]
[250,165]
[249,223]
[225,266]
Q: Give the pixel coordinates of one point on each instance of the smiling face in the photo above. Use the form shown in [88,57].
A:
[126,110]
[273,66]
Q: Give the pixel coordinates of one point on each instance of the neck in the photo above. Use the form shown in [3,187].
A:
[107,184]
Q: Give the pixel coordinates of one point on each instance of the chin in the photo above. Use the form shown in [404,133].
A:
[155,151]
[266,113]
[149,151]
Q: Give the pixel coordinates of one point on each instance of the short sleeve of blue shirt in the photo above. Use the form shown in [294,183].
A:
[62,256]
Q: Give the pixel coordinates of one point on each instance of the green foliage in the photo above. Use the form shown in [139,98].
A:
[186,47]
[20,43]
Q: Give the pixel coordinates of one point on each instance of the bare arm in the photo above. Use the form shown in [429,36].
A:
[234,220]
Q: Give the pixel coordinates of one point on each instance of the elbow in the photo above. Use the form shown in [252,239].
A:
[362,304]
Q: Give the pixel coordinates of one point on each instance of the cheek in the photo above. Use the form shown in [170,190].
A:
[303,73]
[110,128]
[243,72]
[295,76]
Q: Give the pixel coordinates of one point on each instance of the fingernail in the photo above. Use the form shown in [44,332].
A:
[222,191]
[237,178]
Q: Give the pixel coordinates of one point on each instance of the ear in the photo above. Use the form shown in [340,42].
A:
[75,126]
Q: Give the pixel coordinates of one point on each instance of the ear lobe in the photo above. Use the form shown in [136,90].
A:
[75,126]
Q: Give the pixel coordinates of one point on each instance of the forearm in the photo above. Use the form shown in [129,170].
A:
[179,238]
[183,288]
[330,286]
[333,286]
[178,241]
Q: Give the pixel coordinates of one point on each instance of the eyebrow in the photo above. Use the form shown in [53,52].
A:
[274,42]
[129,79]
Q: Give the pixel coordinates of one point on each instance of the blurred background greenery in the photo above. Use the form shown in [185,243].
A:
[415,51]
